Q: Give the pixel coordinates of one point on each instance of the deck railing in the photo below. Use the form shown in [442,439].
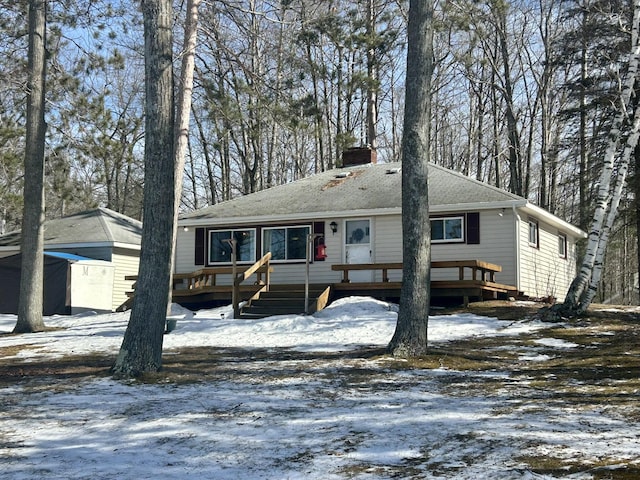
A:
[486,270]
[262,265]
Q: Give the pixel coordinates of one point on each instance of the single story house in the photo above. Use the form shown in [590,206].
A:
[98,234]
[355,212]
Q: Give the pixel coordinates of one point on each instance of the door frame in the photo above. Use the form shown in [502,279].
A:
[358,275]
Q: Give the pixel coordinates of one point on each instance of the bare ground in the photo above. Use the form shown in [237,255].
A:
[601,373]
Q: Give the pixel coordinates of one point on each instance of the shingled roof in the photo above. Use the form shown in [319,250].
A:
[349,190]
[98,226]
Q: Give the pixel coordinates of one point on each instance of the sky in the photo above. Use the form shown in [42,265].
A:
[318,414]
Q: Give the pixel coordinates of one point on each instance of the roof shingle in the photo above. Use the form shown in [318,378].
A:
[100,225]
[366,187]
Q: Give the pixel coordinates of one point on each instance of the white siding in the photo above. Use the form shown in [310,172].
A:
[497,245]
[543,272]
[126,262]
[387,244]
[319,271]
[284,273]
[185,245]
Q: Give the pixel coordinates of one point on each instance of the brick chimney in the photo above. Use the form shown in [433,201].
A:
[358,156]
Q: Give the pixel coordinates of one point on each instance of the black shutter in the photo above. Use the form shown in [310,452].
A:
[200,246]
[473,228]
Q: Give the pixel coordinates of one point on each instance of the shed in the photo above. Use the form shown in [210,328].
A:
[98,234]
[72,284]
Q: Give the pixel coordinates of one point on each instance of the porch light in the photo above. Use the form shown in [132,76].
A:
[334,227]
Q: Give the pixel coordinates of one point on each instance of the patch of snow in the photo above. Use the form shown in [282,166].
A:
[314,421]
[556,343]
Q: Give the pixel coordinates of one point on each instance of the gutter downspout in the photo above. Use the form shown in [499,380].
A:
[516,224]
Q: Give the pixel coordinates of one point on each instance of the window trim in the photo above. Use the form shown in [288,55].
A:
[562,240]
[532,222]
[231,230]
[309,228]
[444,218]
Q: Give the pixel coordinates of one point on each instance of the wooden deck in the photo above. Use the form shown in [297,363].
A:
[479,285]
[471,280]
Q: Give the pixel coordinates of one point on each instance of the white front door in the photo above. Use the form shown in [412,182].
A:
[357,249]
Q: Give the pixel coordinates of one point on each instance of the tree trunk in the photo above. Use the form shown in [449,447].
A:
[183,111]
[372,77]
[584,171]
[30,304]
[623,167]
[575,301]
[410,337]
[141,349]
[636,191]
[515,151]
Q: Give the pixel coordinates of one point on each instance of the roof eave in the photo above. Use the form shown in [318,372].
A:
[553,220]
[292,217]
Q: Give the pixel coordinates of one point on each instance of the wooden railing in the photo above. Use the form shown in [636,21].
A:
[385,267]
[486,270]
[262,265]
[208,277]
[206,280]
[482,278]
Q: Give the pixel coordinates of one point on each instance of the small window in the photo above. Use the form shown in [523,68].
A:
[285,243]
[534,234]
[562,245]
[220,247]
[447,229]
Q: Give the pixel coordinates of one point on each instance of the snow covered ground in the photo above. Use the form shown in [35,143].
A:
[315,415]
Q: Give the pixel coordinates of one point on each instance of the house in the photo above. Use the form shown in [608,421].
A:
[355,214]
[98,234]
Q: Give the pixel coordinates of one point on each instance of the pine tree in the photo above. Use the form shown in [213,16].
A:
[410,337]
[30,304]
[141,349]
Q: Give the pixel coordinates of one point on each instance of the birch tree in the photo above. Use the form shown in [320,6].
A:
[183,105]
[410,337]
[31,282]
[623,138]
[183,110]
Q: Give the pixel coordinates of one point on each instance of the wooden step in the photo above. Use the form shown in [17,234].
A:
[285,302]
[287,294]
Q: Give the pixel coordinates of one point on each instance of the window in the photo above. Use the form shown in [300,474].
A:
[220,247]
[562,245]
[534,235]
[447,229]
[358,232]
[285,243]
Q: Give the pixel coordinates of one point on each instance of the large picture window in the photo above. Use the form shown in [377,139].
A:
[447,229]
[285,243]
[220,248]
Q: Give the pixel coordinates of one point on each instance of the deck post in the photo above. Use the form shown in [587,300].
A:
[235,288]
[310,238]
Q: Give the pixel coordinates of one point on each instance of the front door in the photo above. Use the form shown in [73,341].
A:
[358,248]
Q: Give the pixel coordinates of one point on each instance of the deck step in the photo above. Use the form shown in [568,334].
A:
[284,302]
